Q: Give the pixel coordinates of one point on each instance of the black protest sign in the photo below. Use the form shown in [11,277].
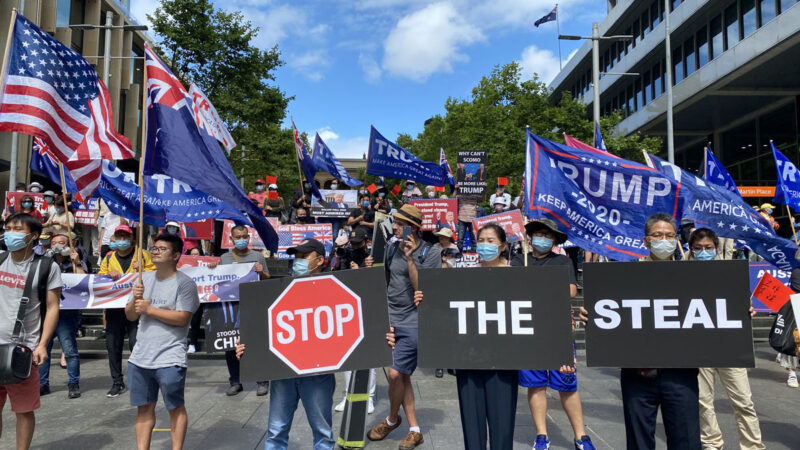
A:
[495,318]
[325,323]
[223,328]
[668,314]
[471,173]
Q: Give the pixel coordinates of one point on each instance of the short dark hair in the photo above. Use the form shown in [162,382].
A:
[27,220]
[238,228]
[659,217]
[498,230]
[174,241]
[702,233]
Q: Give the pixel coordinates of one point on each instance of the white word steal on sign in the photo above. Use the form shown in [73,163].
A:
[665,314]
[517,317]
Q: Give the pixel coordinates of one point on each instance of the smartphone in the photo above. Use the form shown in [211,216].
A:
[406,232]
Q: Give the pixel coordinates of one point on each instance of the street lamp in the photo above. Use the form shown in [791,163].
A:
[596,38]
[108,26]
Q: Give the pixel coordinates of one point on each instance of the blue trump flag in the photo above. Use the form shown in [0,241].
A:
[165,199]
[304,160]
[728,215]
[324,160]
[715,173]
[600,201]
[787,189]
[179,146]
[599,142]
[387,159]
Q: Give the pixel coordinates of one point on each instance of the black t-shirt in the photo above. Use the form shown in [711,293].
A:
[551,259]
[369,216]
[124,261]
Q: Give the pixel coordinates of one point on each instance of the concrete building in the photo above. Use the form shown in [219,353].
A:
[736,79]
[125,72]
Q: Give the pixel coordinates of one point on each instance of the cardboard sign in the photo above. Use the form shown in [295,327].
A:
[511,221]
[757,271]
[202,229]
[438,212]
[223,329]
[471,173]
[675,314]
[334,203]
[196,261]
[13,200]
[772,293]
[312,325]
[466,259]
[495,318]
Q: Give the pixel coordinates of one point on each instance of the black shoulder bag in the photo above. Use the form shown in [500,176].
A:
[16,359]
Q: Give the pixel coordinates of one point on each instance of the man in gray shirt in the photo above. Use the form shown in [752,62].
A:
[240,253]
[164,301]
[403,260]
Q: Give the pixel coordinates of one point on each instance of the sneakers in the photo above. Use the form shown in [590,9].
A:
[340,406]
[542,443]
[116,390]
[74,390]
[234,389]
[792,381]
[370,406]
[44,389]
[584,443]
[263,388]
[411,441]
[381,430]
[191,349]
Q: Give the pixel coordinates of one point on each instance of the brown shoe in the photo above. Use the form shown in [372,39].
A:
[411,441]
[381,430]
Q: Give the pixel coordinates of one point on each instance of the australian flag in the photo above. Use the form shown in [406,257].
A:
[325,160]
[549,17]
[43,162]
[178,147]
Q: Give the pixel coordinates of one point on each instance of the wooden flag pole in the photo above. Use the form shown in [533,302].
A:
[791,222]
[140,231]
[8,47]
[66,213]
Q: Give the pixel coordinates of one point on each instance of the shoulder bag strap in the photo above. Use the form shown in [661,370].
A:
[26,298]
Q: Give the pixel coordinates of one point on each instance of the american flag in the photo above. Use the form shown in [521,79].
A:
[51,92]
[287,239]
[112,294]
[85,173]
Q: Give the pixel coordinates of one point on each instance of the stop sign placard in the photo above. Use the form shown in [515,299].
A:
[315,324]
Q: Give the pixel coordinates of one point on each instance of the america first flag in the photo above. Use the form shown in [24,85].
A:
[49,91]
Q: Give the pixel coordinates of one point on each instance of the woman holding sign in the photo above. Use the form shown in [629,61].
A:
[487,396]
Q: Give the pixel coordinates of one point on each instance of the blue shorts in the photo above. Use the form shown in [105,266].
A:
[404,356]
[145,383]
[561,382]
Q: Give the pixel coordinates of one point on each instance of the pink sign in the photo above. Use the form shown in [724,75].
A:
[511,221]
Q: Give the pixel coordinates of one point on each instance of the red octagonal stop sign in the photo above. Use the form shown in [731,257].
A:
[315,324]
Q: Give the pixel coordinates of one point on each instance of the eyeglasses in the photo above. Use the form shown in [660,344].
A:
[660,236]
[158,249]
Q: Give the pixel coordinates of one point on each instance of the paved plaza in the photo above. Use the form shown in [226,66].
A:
[219,422]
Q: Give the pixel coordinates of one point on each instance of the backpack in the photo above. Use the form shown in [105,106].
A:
[780,335]
[41,283]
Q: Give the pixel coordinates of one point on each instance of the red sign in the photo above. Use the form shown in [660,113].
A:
[772,292]
[272,179]
[511,221]
[438,212]
[196,261]
[86,217]
[13,199]
[202,229]
[315,324]
[255,240]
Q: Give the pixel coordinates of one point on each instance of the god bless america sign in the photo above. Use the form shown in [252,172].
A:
[668,314]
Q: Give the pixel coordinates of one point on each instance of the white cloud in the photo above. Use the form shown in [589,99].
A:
[341,147]
[311,64]
[538,61]
[327,134]
[140,9]
[274,25]
[428,41]
[372,71]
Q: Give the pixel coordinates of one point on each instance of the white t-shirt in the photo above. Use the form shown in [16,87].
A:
[13,276]
[109,223]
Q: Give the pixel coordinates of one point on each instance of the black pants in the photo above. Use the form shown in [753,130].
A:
[195,325]
[487,396]
[233,367]
[675,390]
[117,326]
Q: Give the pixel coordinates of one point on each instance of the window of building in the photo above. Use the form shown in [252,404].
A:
[655,14]
[674,4]
[647,89]
[631,104]
[637,94]
[677,66]
[766,11]
[689,56]
[658,80]
[739,144]
[622,105]
[635,33]
[716,44]
[749,23]
[628,43]
[702,47]
[731,26]
[779,126]
[645,23]
[786,4]
[62,13]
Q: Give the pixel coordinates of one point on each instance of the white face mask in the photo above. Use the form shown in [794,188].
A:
[431,194]
[664,248]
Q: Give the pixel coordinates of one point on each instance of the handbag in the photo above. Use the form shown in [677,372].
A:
[780,336]
[16,359]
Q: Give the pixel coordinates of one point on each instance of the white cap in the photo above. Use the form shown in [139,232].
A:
[273,186]
[172,223]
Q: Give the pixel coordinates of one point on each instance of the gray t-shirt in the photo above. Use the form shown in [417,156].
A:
[13,276]
[400,292]
[252,257]
[160,345]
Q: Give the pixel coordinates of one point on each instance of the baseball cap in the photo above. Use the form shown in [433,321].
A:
[260,181]
[273,186]
[49,194]
[172,223]
[358,235]
[123,229]
[309,245]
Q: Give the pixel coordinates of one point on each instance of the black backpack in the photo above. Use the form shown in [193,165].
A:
[780,336]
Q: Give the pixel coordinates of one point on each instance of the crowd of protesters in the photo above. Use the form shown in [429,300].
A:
[162,322]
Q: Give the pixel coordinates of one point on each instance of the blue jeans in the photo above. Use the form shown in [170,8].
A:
[316,392]
[463,228]
[68,322]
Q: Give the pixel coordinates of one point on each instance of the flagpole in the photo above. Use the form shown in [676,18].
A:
[140,231]
[791,222]
[66,213]
[558,30]
[12,173]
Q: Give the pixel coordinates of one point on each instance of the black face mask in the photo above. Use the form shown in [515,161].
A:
[303,219]
[360,252]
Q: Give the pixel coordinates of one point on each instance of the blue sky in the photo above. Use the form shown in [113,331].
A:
[393,63]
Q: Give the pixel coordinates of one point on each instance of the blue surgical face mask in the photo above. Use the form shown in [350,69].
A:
[14,241]
[112,245]
[365,204]
[300,267]
[705,255]
[123,245]
[381,195]
[487,251]
[241,244]
[27,204]
[542,244]
[259,187]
